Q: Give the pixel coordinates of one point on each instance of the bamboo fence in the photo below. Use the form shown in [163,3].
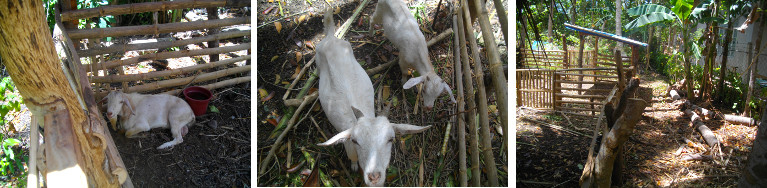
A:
[553,80]
[167,81]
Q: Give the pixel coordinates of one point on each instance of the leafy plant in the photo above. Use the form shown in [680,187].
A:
[9,101]
[418,10]
[10,162]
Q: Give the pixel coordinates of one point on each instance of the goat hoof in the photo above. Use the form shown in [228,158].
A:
[355,166]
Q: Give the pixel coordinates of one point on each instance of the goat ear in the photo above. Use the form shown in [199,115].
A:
[412,82]
[357,113]
[338,138]
[449,92]
[130,108]
[408,129]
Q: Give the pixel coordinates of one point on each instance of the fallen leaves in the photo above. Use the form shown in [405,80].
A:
[295,75]
[278,26]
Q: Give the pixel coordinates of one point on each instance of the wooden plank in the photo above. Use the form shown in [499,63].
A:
[584,89]
[172,72]
[162,44]
[154,29]
[579,102]
[133,8]
[166,55]
[580,96]
[579,109]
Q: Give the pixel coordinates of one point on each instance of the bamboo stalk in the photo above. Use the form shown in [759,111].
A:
[580,109]
[470,100]
[502,18]
[147,7]
[172,72]
[163,44]
[584,82]
[186,80]
[579,102]
[500,86]
[77,34]
[213,15]
[594,90]
[167,55]
[461,104]
[579,96]
[216,85]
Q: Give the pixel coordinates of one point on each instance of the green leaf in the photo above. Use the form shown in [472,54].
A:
[648,9]
[213,109]
[682,8]
[651,18]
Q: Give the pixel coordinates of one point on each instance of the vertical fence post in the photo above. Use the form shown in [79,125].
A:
[619,66]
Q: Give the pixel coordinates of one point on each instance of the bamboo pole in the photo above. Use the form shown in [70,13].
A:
[148,7]
[154,29]
[470,100]
[167,55]
[503,19]
[580,58]
[495,66]
[114,163]
[487,148]
[216,85]
[186,80]
[212,15]
[162,44]
[461,104]
[172,72]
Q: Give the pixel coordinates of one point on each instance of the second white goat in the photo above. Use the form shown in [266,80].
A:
[346,96]
[139,113]
[402,30]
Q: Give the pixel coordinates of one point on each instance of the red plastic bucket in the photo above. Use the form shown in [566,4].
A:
[198,98]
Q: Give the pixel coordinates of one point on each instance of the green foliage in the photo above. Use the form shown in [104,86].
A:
[419,11]
[9,101]
[649,14]
[682,8]
[11,162]
[49,5]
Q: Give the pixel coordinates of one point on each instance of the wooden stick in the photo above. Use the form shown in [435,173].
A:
[167,55]
[705,132]
[461,104]
[739,119]
[474,142]
[162,44]
[215,85]
[277,143]
[148,7]
[172,72]
[154,29]
[182,81]
[487,148]
[502,18]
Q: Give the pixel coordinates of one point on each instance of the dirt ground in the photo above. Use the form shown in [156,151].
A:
[655,154]
[416,159]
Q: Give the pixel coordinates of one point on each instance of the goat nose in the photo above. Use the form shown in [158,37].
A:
[109,113]
[428,108]
[374,177]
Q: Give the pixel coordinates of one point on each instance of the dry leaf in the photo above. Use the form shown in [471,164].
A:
[268,97]
[309,44]
[276,79]
[385,92]
[312,90]
[284,83]
[298,69]
[299,56]
[275,57]
[278,26]
[302,18]
[338,9]
[492,108]
[262,93]
[314,177]
[272,121]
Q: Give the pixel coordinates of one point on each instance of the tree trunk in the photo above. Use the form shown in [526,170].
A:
[618,24]
[572,12]
[687,70]
[649,44]
[620,123]
[754,175]
[755,63]
[75,148]
[551,22]
[725,53]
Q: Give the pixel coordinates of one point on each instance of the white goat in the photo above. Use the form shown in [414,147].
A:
[139,113]
[402,30]
[346,96]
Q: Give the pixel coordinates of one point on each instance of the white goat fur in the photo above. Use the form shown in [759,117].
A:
[402,30]
[139,113]
[346,96]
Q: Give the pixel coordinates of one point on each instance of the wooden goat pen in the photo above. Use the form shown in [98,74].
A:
[165,81]
[98,68]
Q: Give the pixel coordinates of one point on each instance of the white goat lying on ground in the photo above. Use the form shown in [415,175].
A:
[139,113]
[402,30]
[346,96]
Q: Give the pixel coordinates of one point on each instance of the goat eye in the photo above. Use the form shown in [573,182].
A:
[355,141]
[391,140]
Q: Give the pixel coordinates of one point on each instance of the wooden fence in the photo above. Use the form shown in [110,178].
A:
[553,80]
[165,80]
